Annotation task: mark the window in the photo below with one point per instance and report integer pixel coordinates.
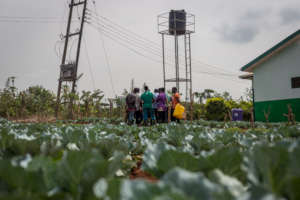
(296, 82)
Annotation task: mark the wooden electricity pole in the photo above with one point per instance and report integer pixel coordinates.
(68, 71)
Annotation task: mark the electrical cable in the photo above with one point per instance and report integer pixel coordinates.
(71, 48)
(154, 50)
(121, 35)
(124, 45)
(27, 17)
(21, 19)
(128, 37)
(124, 31)
(125, 39)
(63, 17)
(156, 44)
(103, 25)
(106, 55)
(29, 21)
(108, 34)
(89, 63)
(157, 61)
(57, 50)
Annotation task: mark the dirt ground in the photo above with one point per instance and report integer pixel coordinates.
(137, 173)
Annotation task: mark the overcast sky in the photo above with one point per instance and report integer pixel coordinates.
(229, 34)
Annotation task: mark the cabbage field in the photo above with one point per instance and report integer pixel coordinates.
(193, 160)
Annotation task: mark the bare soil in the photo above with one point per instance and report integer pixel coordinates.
(35, 119)
(138, 173)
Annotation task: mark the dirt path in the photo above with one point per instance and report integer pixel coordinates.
(138, 173)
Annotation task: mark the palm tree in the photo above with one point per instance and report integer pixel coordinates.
(87, 100)
(208, 93)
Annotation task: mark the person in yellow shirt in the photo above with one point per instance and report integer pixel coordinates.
(175, 101)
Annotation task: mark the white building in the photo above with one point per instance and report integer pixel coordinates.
(276, 80)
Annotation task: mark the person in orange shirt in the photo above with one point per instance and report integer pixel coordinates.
(175, 101)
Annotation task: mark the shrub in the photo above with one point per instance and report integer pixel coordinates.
(215, 109)
(199, 111)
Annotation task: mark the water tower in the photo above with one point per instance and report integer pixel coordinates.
(179, 25)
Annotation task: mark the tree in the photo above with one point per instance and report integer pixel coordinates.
(7, 103)
(87, 100)
(203, 96)
(200, 96)
(209, 93)
(226, 95)
(38, 100)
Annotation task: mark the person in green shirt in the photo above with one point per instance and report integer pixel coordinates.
(147, 99)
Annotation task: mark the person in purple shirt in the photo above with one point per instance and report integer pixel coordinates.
(162, 103)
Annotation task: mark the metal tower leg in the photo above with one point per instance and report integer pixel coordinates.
(190, 68)
(164, 62)
(191, 78)
(186, 69)
(177, 63)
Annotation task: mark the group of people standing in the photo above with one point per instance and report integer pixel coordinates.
(157, 107)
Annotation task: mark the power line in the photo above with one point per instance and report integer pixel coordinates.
(109, 34)
(26, 17)
(119, 31)
(124, 31)
(103, 21)
(71, 48)
(106, 55)
(125, 39)
(89, 63)
(124, 45)
(126, 36)
(154, 60)
(147, 43)
(57, 50)
(64, 16)
(142, 42)
(154, 44)
(29, 21)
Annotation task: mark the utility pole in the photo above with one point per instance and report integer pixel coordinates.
(68, 71)
(132, 85)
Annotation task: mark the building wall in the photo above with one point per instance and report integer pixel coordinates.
(272, 85)
(272, 80)
(277, 110)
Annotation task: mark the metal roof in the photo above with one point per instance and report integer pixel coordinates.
(248, 76)
(269, 53)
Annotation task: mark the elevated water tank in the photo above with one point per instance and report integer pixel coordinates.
(177, 22)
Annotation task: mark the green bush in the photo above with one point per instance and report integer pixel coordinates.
(38, 101)
(247, 108)
(8, 103)
(215, 109)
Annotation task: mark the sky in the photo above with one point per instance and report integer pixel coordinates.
(229, 34)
